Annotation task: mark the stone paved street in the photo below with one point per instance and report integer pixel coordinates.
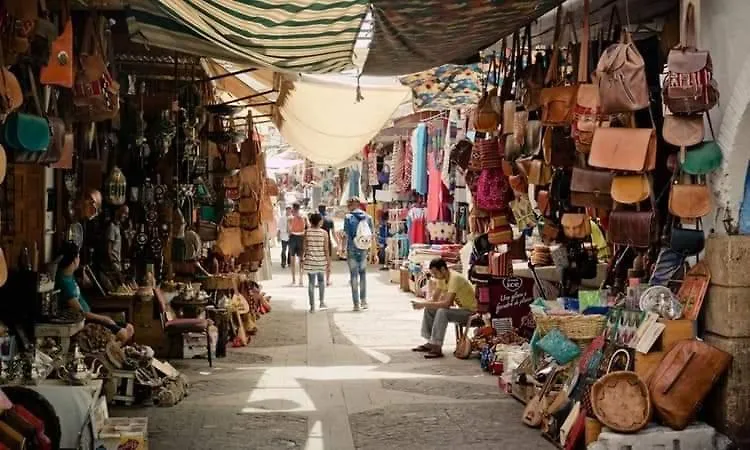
(338, 380)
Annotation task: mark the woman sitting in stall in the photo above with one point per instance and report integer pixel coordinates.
(70, 294)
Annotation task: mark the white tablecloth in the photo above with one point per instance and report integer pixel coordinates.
(73, 405)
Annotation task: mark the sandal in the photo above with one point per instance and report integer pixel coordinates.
(433, 355)
(421, 348)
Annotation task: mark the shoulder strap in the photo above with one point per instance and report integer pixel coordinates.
(691, 39)
(554, 62)
(583, 58)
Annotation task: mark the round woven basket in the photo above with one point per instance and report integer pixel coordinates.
(576, 327)
(621, 402)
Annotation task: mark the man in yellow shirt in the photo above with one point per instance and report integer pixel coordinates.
(452, 302)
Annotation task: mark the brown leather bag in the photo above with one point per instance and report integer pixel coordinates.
(683, 131)
(632, 228)
(519, 184)
(485, 117)
(576, 226)
(559, 147)
(11, 94)
(621, 77)
(96, 94)
(689, 86)
(537, 172)
(689, 201)
(59, 68)
(591, 188)
(558, 102)
(630, 189)
(629, 149)
(587, 110)
(683, 379)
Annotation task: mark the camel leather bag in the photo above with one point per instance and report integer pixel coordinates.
(621, 77)
(627, 149)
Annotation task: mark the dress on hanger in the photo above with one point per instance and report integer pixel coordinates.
(417, 226)
(419, 166)
(435, 192)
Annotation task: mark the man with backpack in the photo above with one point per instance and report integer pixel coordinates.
(358, 227)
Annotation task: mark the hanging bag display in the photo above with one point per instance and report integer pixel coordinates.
(703, 158)
(591, 188)
(558, 102)
(621, 77)
(689, 200)
(59, 68)
(628, 149)
(485, 117)
(576, 226)
(533, 77)
(96, 95)
(689, 86)
(636, 229)
(630, 189)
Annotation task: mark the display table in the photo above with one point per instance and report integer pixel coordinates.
(61, 331)
(74, 406)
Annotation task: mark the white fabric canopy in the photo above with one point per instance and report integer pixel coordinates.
(323, 121)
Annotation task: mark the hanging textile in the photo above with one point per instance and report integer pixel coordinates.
(397, 168)
(408, 163)
(414, 35)
(417, 226)
(445, 169)
(310, 36)
(372, 165)
(354, 182)
(445, 87)
(419, 166)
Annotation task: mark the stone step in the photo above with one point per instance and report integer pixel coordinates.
(697, 436)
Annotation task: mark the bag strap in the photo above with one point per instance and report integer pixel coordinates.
(691, 34)
(677, 375)
(583, 57)
(621, 351)
(554, 64)
(87, 44)
(35, 93)
(612, 30)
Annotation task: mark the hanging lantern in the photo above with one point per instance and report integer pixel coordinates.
(116, 187)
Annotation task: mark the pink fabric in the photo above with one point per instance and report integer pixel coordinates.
(434, 192)
(418, 231)
(493, 190)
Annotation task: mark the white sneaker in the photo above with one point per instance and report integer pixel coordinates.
(323, 307)
(364, 306)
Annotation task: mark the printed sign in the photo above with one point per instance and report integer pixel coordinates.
(510, 298)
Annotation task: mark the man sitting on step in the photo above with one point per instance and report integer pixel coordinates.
(452, 302)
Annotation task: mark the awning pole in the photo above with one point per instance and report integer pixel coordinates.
(247, 97)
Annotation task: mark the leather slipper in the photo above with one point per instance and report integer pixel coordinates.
(421, 348)
(433, 355)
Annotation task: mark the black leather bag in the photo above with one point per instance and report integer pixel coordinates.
(687, 241)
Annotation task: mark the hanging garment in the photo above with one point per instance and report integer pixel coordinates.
(408, 163)
(353, 182)
(445, 172)
(435, 197)
(419, 166)
(372, 166)
(415, 221)
(397, 167)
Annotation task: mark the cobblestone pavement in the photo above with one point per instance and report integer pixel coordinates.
(338, 380)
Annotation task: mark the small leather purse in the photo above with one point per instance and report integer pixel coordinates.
(591, 188)
(687, 241)
(689, 201)
(627, 149)
(59, 68)
(576, 226)
(630, 189)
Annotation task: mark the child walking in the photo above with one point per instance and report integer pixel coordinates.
(316, 259)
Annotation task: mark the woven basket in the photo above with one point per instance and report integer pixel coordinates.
(621, 402)
(577, 327)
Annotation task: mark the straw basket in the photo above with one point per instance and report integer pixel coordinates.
(621, 402)
(577, 327)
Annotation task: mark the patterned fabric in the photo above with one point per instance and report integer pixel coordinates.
(397, 167)
(445, 87)
(311, 36)
(493, 190)
(414, 35)
(314, 259)
(408, 163)
(372, 166)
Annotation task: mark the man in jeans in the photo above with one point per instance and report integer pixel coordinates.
(283, 234)
(356, 258)
(453, 301)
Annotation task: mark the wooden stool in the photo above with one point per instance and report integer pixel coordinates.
(60, 331)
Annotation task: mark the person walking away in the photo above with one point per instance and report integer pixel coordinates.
(296, 226)
(358, 227)
(327, 226)
(316, 260)
(452, 302)
(283, 234)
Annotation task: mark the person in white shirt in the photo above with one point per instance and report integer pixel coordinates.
(282, 222)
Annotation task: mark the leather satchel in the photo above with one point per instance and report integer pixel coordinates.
(559, 147)
(576, 226)
(96, 94)
(485, 117)
(683, 131)
(629, 149)
(591, 188)
(703, 159)
(558, 104)
(683, 379)
(59, 68)
(632, 228)
(621, 77)
(687, 241)
(689, 201)
(537, 171)
(689, 86)
(630, 189)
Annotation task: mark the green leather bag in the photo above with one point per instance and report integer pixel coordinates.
(703, 158)
(26, 132)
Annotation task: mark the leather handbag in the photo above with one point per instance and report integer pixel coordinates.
(485, 117)
(558, 104)
(490, 153)
(687, 241)
(229, 242)
(703, 159)
(59, 68)
(628, 149)
(543, 203)
(636, 229)
(630, 189)
(532, 79)
(559, 147)
(576, 226)
(509, 116)
(463, 346)
(11, 94)
(537, 171)
(550, 231)
(96, 95)
(586, 113)
(683, 379)
(461, 153)
(535, 409)
(523, 212)
(683, 131)
(520, 125)
(253, 237)
(26, 133)
(519, 184)
(493, 190)
(533, 137)
(689, 201)
(621, 77)
(591, 188)
(689, 86)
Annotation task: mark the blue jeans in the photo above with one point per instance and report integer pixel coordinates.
(311, 277)
(358, 277)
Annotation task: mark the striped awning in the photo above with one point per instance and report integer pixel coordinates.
(415, 35)
(310, 36)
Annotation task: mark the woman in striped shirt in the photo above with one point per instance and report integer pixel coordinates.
(316, 259)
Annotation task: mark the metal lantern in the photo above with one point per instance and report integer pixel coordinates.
(116, 187)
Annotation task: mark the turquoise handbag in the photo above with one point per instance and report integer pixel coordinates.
(26, 132)
(703, 158)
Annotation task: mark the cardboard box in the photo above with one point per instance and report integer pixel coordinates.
(124, 433)
(675, 331)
